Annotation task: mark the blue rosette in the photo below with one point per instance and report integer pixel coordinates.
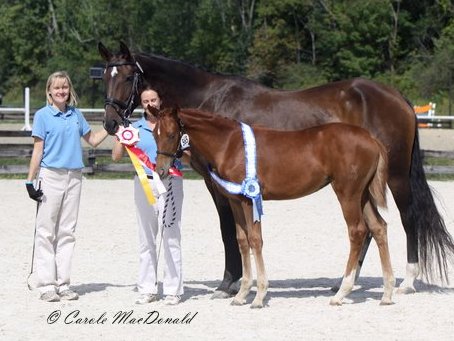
(250, 188)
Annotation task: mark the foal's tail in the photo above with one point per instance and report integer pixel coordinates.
(377, 187)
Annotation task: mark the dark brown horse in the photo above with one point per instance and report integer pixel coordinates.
(375, 107)
(286, 165)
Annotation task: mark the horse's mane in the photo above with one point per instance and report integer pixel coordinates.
(190, 68)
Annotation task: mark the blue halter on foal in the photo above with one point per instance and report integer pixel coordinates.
(250, 186)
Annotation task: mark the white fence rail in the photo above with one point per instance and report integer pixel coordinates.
(25, 114)
(434, 121)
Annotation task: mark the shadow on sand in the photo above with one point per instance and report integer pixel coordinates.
(366, 288)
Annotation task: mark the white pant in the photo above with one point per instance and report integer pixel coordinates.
(164, 216)
(55, 226)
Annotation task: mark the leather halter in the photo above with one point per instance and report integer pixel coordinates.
(179, 152)
(125, 109)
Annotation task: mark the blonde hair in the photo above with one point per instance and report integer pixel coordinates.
(72, 98)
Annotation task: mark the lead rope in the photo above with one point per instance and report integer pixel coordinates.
(170, 199)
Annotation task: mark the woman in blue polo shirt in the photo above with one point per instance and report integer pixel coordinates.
(57, 160)
(165, 215)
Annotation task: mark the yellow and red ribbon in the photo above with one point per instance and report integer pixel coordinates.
(141, 174)
(129, 137)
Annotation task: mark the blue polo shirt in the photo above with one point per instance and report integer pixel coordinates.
(61, 133)
(148, 144)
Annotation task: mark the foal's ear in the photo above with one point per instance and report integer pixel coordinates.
(124, 49)
(175, 111)
(154, 111)
(104, 52)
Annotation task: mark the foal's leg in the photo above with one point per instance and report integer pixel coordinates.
(243, 243)
(377, 227)
(357, 232)
(362, 256)
(256, 244)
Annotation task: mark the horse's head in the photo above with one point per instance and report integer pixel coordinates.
(167, 133)
(122, 79)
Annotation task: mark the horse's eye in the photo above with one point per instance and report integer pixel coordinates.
(171, 136)
(129, 78)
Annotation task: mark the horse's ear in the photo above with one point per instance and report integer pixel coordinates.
(153, 110)
(104, 52)
(124, 49)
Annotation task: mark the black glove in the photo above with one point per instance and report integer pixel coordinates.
(33, 193)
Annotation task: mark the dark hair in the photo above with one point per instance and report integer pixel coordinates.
(149, 87)
(159, 90)
(144, 88)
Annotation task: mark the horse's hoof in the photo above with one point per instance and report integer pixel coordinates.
(386, 302)
(335, 302)
(218, 294)
(234, 288)
(405, 290)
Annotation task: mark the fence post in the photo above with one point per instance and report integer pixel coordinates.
(27, 126)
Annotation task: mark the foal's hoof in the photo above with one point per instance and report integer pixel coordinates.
(256, 305)
(386, 302)
(405, 290)
(219, 294)
(237, 302)
(335, 301)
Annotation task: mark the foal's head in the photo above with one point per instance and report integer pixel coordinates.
(122, 79)
(167, 133)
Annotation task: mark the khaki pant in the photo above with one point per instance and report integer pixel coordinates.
(55, 226)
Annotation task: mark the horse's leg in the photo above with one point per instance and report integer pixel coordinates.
(362, 254)
(233, 262)
(357, 232)
(377, 226)
(400, 188)
(427, 235)
(242, 232)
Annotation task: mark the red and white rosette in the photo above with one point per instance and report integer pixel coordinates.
(128, 136)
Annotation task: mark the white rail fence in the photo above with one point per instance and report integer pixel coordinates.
(21, 150)
(24, 113)
(426, 118)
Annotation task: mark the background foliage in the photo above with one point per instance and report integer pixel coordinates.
(282, 43)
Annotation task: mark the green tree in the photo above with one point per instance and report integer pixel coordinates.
(25, 43)
(284, 43)
(222, 35)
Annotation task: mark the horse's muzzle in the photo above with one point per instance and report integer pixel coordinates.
(111, 126)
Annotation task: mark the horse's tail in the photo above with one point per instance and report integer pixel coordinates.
(435, 243)
(377, 187)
